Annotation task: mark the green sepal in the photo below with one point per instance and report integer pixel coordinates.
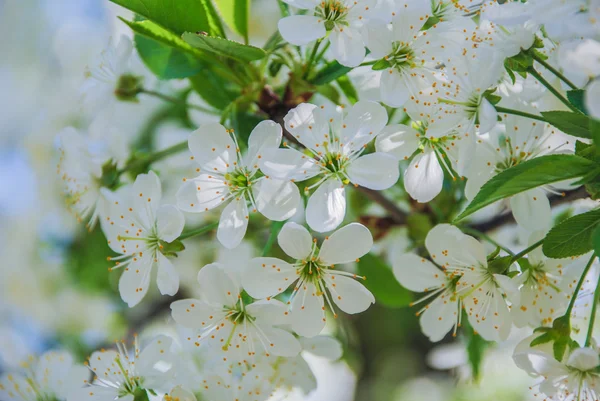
(171, 248)
(110, 175)
(382, 64)
(500, 265)
(493, 255)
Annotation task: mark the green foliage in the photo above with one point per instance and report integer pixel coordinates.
(224, 47)
(559, 334)
(348, 88)
(570, 123)
(419, 225)
(329, 73)
(236, 14)
(572, 237)
(213, 89)
(178, 16)
(382, 283)
(576, 97)
(330, 92)
(87, 262)
(528, 175)
(476, 346)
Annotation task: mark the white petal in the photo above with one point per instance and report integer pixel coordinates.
(509, 288)
(103, 363)
(269, 312)
(213, 148)
(309, 124)
(167, 277)
(347, 46)
(439, 317)
(195, 314)
(443, 244)
(416, 273)
(364, 121)
(282, 343)
(323, 346)
(308, 316)
(169, 222)
(201, 194)
(394, 91)
(592, 98)
(346, 244)
(348, 294)
(376, 171)
(216, 286)
(488, 313)
(488, 116)
(326, 207)
(95, 393)
(157, 351)
(233, 223)
(531, 209)
(423, 179)
(410, 19)
(267, 277)
(399, 140)
(135, 280)
(147, 193)
(182, 394)
(295, 241)
(302, 4)
(584, 359)
(266, 135)
(301, 29)
(378, 38)
(276, 199)
(288, 164)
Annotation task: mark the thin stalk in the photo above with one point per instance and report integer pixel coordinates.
(553, 70)
(198, 231)
(588, 338)
(579, 284)
(177, 101)
(526, 250)
(552, 89)
(275, 229)
(311, 58)
(154, 157)
(519, 113)
(322, 52)
(486, 237)
(366, 63)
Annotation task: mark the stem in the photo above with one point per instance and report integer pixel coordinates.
(526, 251)
(519, 113)
(579, 284)
(311, 59)
(322, 52)
(552, 89)
(177, 101)
(198, 231)
(552, 70)
(588, 338)
(486, 237)
(366, 63)
(275, 229)
(154, 157)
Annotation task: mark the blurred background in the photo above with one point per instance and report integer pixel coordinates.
(55, 290)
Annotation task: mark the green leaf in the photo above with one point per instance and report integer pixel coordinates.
(595, 132)
(596, 240)
(330, 92)
(528, 175)
(330, 72)
(164, 61)
(574, 124)
(348, 88)
(476, 347)
(572, 237)
(178, 16)
(382, 283)
(576, 97)
(236, 14)
(224, 47)
(213, 89)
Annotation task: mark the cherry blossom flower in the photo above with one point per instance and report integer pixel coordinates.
(312, 275)
(226, 175)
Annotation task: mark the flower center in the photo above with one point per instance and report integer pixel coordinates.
(240, 181)
(401, 57)
(333, 12)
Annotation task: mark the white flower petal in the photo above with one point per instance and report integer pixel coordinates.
(217, 287)
(201, 194)
(347, 46)
(276, 199)
(346, 244)
(348, 294)
(394, 91)
(592, 98)
(301, 29)
(416, 273)
(326, 207)
(267, 277)
(167, 277)
(379, 38)
(233, 223)
(488, 116)
(439, 317)
(309, 124)
(157, 351)
(135, 280)
(364, 121)
(442, 243)
(488, 313)
(399, 140)
(376, 171)
(195, 314)
(282, 343)
(169, 222)
(531, 209)
(269, 312)
(103, 363)
(96, 393)
(147, 194)
(323, 346)
(182, 394)
(288, 164)
(423, 179)
(295, 241)
(213, 148)
(584, 359)
(308, 316)
(266, 135)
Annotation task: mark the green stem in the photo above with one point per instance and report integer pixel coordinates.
(588, 338)
(477, 233)
(154, 157)
(177, 101)
(311, 59)
(553, 70)
(579, 285)
(322, 52)
(552, 89)
(276, 227)
(519, 113)
(526, 250)
(198, 231)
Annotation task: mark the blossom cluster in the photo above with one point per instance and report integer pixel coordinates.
(473, 81)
